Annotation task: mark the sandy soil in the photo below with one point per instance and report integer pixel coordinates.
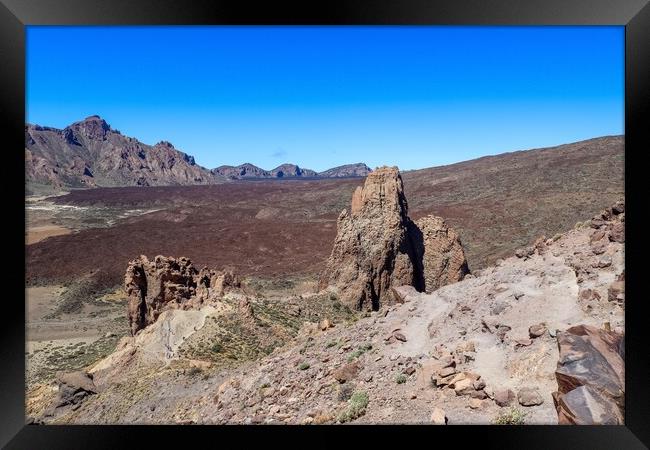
(37, 234)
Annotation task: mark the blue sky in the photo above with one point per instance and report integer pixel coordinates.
(324, 96)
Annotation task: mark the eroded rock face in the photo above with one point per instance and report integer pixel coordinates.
(590, 376)
(443, 258)
(170, 283)
(374, 247)
(378, 246)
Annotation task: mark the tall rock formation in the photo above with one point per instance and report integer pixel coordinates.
(378, 246)
(443, 258)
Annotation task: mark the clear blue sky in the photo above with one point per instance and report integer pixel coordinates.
(324, 96)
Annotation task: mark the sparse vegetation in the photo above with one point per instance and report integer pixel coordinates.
(331, 344)
(192, 371)
(303, 366)
(360, 351)
(401, 378)
(513, 416)
(356, 407)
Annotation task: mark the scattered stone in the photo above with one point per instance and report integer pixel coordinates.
(478, 384)
(616, 291)
(537, 330)
(529, 397)
(399, 336)
(596, 236)
(347, 372)
(463, 387)
(475, 403)
(599, 248)
(604, 261)
(524, 252)
(504, 397)
(438, 416)
(523, 342)
(446, 371)
(325, 324)
(617, 233)
(401, 293)
(588, 295)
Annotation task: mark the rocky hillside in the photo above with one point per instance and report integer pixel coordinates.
(90, 153)
(501, 202)
(346, 171)
(500, 346)
(250, 171)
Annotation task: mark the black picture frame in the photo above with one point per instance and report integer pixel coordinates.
(633, 14)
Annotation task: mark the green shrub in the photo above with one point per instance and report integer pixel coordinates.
(360, 351)
(401, 378)
(511, 417)
(303, 366)
(356, 407)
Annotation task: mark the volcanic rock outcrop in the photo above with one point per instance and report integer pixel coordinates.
(590, 376)
(170, 283)
(443, 258)
(378, 246)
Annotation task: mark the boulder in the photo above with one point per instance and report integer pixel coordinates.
(347, 372)
(74, 387)
(504, 397)
(529, 397)
(617, 233)
(590, 376)
(438, 416)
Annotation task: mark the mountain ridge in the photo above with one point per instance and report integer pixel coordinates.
(288, 170)
(90, 153)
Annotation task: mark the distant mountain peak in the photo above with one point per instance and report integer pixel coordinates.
(290, 170)
(164, 144)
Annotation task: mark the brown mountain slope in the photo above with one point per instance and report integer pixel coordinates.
(272, 228)
(90, 153)
(505, 201)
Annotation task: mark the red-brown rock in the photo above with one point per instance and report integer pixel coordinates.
(590, 376)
